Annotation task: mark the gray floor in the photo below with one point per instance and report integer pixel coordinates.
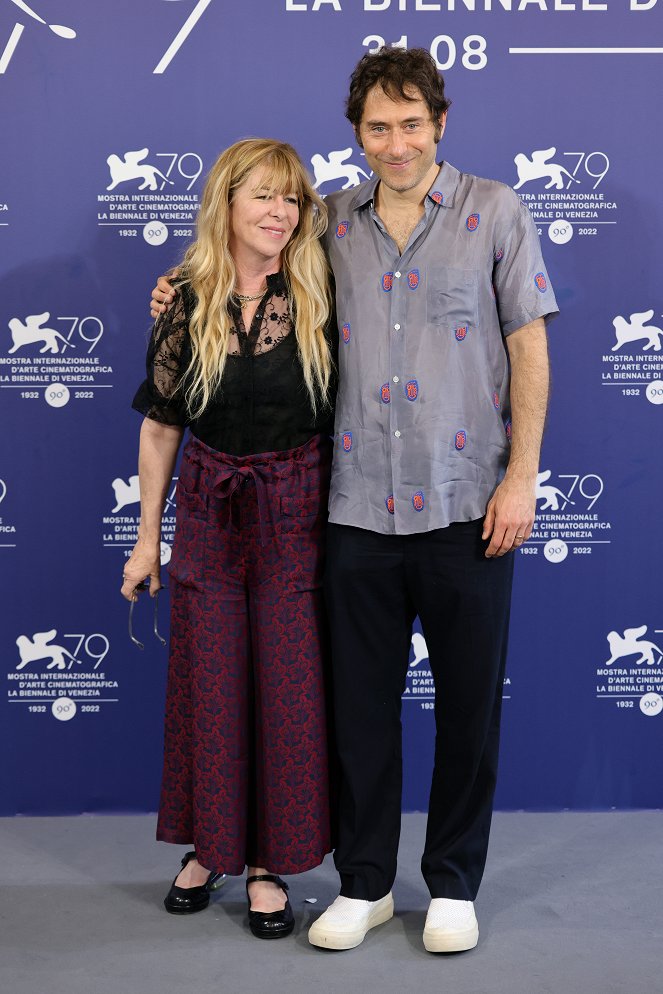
(570, 904)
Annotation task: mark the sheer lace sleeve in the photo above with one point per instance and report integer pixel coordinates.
(168, 353)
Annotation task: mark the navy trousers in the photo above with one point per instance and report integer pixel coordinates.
(375, 585)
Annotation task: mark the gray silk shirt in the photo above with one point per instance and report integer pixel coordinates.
(423, 415)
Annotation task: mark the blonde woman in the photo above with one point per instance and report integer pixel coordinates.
(243, 361)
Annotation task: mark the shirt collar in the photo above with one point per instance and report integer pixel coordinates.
(365, 194)
(442, 191)
(443, 188)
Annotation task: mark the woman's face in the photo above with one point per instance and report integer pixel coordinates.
(261, 223)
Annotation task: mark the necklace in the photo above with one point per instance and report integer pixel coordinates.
(246, 298)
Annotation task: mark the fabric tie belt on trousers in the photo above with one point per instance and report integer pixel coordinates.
(227, 481)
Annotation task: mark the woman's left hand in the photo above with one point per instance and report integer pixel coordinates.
(143, 563)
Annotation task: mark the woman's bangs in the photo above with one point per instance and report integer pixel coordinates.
(280, 176)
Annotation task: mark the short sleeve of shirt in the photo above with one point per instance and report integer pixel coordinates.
(522, 287)
(159, 397)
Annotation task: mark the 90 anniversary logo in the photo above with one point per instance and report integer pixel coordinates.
(568, 200)
(55, 358)
(61, 674)
(635, 362)
(633, 673)
(156, 196)
(566, 519)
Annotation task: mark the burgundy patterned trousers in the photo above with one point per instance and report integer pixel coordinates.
(245, 756)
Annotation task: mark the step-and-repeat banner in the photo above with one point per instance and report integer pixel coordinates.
(112, 113)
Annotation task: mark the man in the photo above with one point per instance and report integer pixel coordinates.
(441, 295)
(435, 271)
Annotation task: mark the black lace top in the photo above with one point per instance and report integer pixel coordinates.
(262, 404)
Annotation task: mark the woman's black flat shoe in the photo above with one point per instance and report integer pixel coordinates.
(188, 900)
(271, 924)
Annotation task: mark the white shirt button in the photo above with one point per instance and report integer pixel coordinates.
(397, 433)
(396, 379)
(397, 327)
(397, 275)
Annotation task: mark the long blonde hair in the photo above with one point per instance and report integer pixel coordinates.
(209, 269)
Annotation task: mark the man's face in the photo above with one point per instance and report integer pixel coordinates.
(399, 138)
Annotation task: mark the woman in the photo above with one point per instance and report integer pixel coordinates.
(243, 361)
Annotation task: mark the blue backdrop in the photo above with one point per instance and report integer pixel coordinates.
(112, 114)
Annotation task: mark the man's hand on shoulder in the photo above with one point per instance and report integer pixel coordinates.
(163, 295)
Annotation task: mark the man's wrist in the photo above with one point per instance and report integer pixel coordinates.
(522, 475)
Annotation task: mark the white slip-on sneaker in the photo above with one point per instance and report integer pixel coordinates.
(345, 922)
(451, 926)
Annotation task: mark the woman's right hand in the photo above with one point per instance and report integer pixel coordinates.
(143, 563)
(162, 295)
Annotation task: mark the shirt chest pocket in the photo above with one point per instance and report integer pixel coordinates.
(452, 300)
